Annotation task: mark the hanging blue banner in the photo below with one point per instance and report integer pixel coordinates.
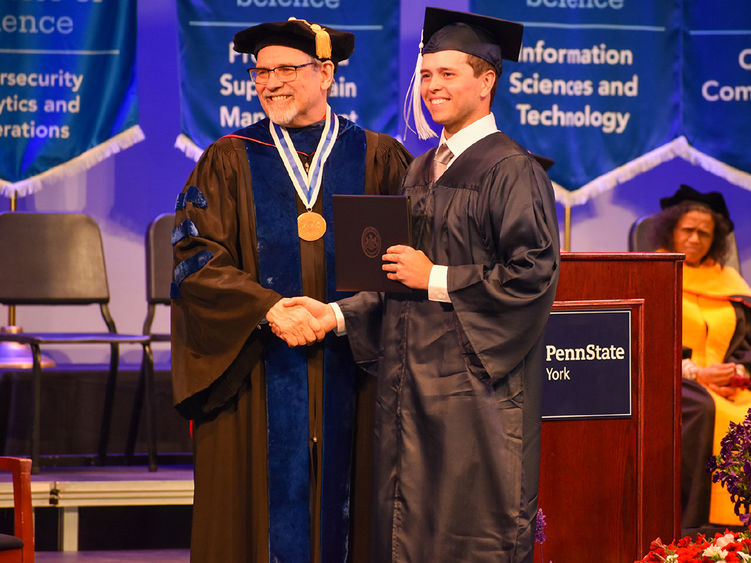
(217, 96)
(717, 80)
(68, 94)
(597, 83)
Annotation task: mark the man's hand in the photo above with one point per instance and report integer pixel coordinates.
(322, 312)
(407, 265)
(294, 324)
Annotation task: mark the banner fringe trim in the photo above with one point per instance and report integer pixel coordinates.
(630, 170)
(562, 195)
(186, 144)
(678, 147)
(80, 163)
(713, 166)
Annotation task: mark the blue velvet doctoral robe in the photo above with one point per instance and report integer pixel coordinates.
(268, 419)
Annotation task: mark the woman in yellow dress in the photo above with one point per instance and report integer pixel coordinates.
(716, 341)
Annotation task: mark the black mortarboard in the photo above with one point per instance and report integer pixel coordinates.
(713, 200)
(321, 42)
(491, 39)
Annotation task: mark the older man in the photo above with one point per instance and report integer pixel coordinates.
(272, 424)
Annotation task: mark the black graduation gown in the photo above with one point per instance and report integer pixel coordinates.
(457, 411)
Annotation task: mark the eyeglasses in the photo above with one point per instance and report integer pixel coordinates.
(284, 73)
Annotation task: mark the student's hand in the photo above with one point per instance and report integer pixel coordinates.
(294, 324)
(322, 312)
(407, 265)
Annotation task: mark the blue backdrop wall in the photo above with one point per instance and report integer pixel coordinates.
(123, 193)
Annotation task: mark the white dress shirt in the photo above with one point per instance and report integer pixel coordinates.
(457, 143)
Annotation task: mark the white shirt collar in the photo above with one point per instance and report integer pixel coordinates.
(465, 138)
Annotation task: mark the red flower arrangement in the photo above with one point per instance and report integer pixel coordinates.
(731, 468)
(730, 547)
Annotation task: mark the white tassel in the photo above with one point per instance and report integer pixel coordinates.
(413, 103)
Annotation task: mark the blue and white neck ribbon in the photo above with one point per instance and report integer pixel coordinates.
(307, 184)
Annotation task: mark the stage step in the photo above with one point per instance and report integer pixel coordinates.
(68, 489)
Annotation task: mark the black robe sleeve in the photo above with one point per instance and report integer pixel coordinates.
(503, 305)
(739, 350)
(219, 302)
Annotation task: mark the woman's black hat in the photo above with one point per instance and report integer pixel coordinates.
(713, 200)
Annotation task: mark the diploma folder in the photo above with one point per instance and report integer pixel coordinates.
(364, 227)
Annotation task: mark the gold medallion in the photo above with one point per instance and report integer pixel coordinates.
(311, 226)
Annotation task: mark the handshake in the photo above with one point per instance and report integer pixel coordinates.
(301, 320)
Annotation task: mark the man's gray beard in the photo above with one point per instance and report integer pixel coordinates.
(282, 117)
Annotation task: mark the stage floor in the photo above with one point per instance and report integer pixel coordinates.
(142, 556)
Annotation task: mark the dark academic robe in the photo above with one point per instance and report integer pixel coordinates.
(255, 474)
(458, 403)
(698, 424)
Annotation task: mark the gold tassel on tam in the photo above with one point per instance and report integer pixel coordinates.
(323, 42)
(323, 39)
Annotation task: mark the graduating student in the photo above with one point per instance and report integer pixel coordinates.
(273, 425)
(459, 359)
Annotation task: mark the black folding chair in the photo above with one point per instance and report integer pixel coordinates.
(158, 281)
(58, 259)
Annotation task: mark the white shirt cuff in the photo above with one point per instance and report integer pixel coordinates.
(438, 284)
(341, 325)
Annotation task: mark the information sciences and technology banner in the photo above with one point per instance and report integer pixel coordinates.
(67, 88)
(717, 81)
(597, 84)
(217, 95)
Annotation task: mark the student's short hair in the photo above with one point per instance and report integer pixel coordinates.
(480, 66)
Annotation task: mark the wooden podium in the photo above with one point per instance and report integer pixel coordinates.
(608, 487)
